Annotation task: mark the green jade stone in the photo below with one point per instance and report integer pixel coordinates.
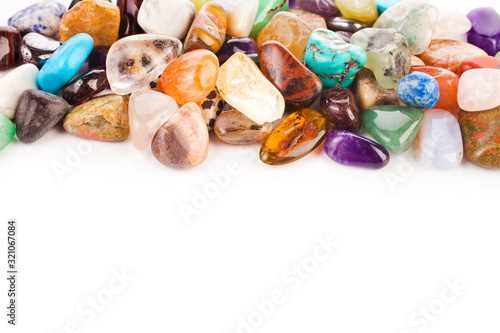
(7, 131)
(267, 9)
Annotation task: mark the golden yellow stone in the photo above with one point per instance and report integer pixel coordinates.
(208, 30)
(362, 10)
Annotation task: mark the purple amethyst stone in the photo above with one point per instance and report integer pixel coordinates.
(490, 44)
(325, 8)
(97, 58)
(485, 21)
(234, 45)
(292, 4)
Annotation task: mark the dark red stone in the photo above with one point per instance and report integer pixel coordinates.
(340, 109)
(8, 50)
(298, 84)
(129, 10)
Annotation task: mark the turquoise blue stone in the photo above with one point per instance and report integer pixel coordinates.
(42, 17)
(65, 63)
(333, 60)
(383, 5)
(419, 90)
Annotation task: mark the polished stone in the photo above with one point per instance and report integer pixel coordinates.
(325, 8)
(129, 10)
(419, 90)
(13, 84)
(37, 48)
(42, 17)
(478, 89)
(449, 54)
(267, 9)
(83, 88)
(451, 22)
(369, 93)
(485, 21)
(208, 30)
(314, 21)
(478, 62)
(362, 10)
(345, 24)
(10, 38)
(211, 107)
(7, 131)
(240, 16)
(231, 46)
(171, 18)
(340, 109)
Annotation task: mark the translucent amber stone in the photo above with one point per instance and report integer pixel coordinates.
(208, 30)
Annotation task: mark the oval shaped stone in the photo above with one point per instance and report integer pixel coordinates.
(369, 93)
(129, 10)
(478, 62)
(440, 139)
(267, 9)
(478, 89)
(43, 17)
(340, 109)
(7, 131)
(60, 68)
(242, 85)
(299, 86)
(13, 84)
(36, 48)
(103, 118)
(171, 18)
(233, 45)
(10, 38)
(295, 137)
(325, 8)
(240, 16)
(182, 142)
(191, 76)
(362, 10)
(449, 54)
(419, 90)
(84, 87)
(208, 30)
(394, 127)
(354, 150)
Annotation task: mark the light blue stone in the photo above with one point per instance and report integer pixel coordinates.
(65, 63)
(383, 5)
(419, 90)
(42, 17)
(333, 60)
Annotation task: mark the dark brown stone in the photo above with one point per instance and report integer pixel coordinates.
(340, 109)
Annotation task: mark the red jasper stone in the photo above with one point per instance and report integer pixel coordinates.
(10, 38)
(478, 62)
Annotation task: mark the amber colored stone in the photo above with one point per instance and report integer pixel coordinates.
(208, 30)
(190, 77)
(315, 21)
(98, 18)
(289, 30)
(449, 54)
(295, 137)
(298, 84)
(10, 39)
(448, 87)
(478, 62)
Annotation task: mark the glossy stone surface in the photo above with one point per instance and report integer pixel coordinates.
(103, 118)
(148, 111)
(485, 21)
(314, 21)
(13, 84)
(135, 61)
(299, 86)
(289, 30)
(325, 8)
(388, 54)
(354, 150)
(242, 85)
(449, 54)
(394, 127)
(414, 19)
(416, 61)
(362, 10)
(36, 48)
(37, 113)
(240, 16)
(182, 142)
(267, 9)
(448, 87)
(74, 2)
(340, 109)
(478, 62)
(190, 77)
(481, 137)
(369, 93)
(208, 30)
(419, 90)
(333, 60)
(345, 24)
(235, 128)
(211, 107)
(478, 89)
(440, 139)
(154, 85)
(97, 58)
(129, 10)
(42, 17)
(346, 36)
(172, 18)
(98, 18)
(490, 45)
(7, 131)
(84, 87)
(10, 38)
(233, 45)
(451, 22)
(295, 137)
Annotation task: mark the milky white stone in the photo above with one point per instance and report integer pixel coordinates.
(171, 17)
(148, 110)
(13, 85)
(451, 22)
(244, 87)
(240, 16)
(478, 89)
(441, 140)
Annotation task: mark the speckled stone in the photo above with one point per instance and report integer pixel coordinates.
(419, 90)
(211, 107)
(42, 17)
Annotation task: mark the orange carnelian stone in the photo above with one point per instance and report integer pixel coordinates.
(191, 77)
(478, 62)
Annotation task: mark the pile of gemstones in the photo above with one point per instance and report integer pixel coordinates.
(289, 75)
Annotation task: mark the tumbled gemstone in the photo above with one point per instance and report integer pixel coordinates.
(449, 54)
(129, 10)
(240, 16)
(478, 89)
(478, 62)
(325, 8)
(7, 131)
(362, 10)
(84, 87)
(97, 58)
(370, 93)
(42, 17)
(451, 22)
(314, 21)
(490, 45)
(485, 21)
(171, 18)
(13, 84)
(267, 9)
(10, 38)
(233, 45)
(340, 109)
(208, 30)
(36, 48)
(345, 24)
(211, 107)
(416, 61)
(419, 90)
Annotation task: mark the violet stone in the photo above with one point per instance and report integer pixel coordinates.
(292, 4)
(129, 9)
(352, 149)
(36, 48)
(490, 44)
(234, 45)
(325, 8)
(485, 21)
(97, 58)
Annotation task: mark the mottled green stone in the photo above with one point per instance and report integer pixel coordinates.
(394, 127)
(267, 9)
(481, 135)
(7, 131)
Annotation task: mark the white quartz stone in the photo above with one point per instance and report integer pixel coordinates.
(451, 22)
(441, 140)
(478, 89)
(13, 84)
(148, 111)
(240, 16)
(171, 17)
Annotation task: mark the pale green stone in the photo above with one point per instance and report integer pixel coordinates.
(7, 131)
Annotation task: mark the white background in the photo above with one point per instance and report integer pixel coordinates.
(403, 232)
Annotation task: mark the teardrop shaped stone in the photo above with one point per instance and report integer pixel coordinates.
(7, 131)
(135, 61)
(182, 142)
(394, 127)
(37, 113)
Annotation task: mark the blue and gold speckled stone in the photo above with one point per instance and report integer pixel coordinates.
(42, 17)
(65, 63)
(332, 59)
(419, 90)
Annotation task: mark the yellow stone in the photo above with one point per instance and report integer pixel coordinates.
(199, 3)
(362, 10)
